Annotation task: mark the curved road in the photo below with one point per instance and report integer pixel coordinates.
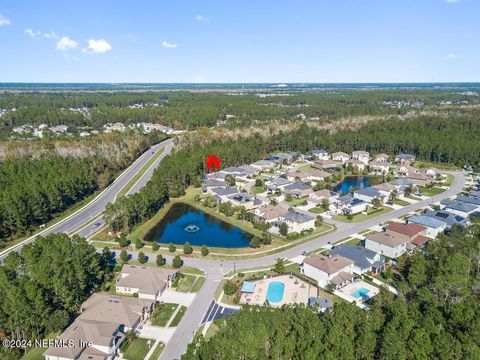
(216, 269)
(93, 210)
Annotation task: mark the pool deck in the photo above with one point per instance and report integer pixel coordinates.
(347, 291)
(296, 291)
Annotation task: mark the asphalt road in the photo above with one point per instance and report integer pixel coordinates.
(93, 209)
(216, 269)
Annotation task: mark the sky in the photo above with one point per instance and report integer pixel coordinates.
(240, 41)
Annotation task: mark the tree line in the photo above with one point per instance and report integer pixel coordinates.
(435, 316)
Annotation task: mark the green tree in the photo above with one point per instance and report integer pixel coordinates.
(142, 259)
(177, 262)
(229, 288)
(204, 250)
(139, 244)
(124, 256)
(279, 266)
(160, 261)
(171, 247)
(155, 246)
(187, 248)
(283, 230)
(255, 242)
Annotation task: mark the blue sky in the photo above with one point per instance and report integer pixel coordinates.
(240, 41)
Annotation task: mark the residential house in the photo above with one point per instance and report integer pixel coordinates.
(369, 195)
(420, 179)
(340, 156)
(263, 165)
(103, 321)
(362, 156)
(388, 244)
(321, 154)
(308, 175)
(298, 189)
(416, 234)
(275, 183)
(434, 226)
(449, 218)
(475, 200)
(350, 205)
(147, 282)
(59, 129)
(243, 199)
(379, 167)
(324, 164)
(317, 197)
(336, 269)
(386, 189)
(209, 184)
(223, 193)
(382, 158)
(364, 260)
(270, 213)
(459, 207)
(354, 163)
(402, 184)
(430, 172)
(402, 158)
(297, 221)
(282, 158)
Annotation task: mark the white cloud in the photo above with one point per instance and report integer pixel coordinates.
(98, 46)
(31, 33)
(452, 56)
(452, 1)
(202, 19)
(169, 45)
(50, 35)
(4, 21)
(35, 34)
(65, 43)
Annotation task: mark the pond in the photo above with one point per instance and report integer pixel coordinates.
(350, 183)
(184, 223)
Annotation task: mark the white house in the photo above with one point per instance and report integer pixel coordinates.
(270, 213)
(364, 260)
(459, 207)
(263, 165)
(297, 221)
(360, 165)
(147, 281)
(362, 156)
(434, 226)
(340, 156)
(336, 269)
(379, 167)
(386, 244)
(369, 195)
(382, 157)
(317, 197)
(321, 154)
(350, 205)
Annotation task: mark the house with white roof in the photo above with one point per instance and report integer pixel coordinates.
(270, 213)
(321, 154)
(402, 158)
(360, 165)
(317, 197)
(336, 269)
(350, 205)
(369, 195)
(340, 156)
(382, 158)
(379, 167)
(298, 189)
(362, 156)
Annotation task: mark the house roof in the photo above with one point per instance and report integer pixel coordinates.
(341, 278)
(358, 254)
(233, 170)
(122, 310)
(298, 186)
(321, 151)
(220, 191)
(382, 156)
(355, 162)
(325, 193)
(402, 182)
(279, 181)
(148, 279)
(410, 230)
(326, 264)
(240, 197)
(381, 164)
(405, 156)
(447, 217)
(361, 152)
(385, 187)
(459, 205)
(320, 301)
(213, 182)
(427, 221)
(350, 200)
(390, 240)
(340, 153)
(420, 240)
(298, 217)
(325, 163)
(269, 212)
(248, 169)
(469, 199)
(248, 286)
(370, 192)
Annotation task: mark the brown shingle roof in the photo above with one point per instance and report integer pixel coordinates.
(329, 265)
(148, 279)
(410, 229)
(386, 239)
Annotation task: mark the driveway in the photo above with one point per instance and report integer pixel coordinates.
(163, 334)
(172, 296)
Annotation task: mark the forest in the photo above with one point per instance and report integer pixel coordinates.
(434, 317)
(449, 140)
(42, 288)
(40, 180)
(190, 110)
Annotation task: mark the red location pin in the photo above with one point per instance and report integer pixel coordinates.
(213, 162)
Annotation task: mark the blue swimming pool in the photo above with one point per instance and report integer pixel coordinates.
(360, 293)
(275, 291)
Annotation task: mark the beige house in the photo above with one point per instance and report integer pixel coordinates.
(382, 157)
(336, 269)
(379, 167)
(270, 213)
(147, 281)
(389, 244)
(360, 165)
(99, 330)
(340, 156)
(362, 156)
(317, 197)
(324, 164)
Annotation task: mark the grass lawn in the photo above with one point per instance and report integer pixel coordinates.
(440, 166)
(354, 241)
(414, 197)
(401, 202)
(179, 316)
(362, 217)
(448, 180)
(192, 270)
(164, 314)
(317, 210)
(259, 189)
(186, 283)
(137, 350)
(36, 353)
(431, 191)
(156, 353)
(198, 284)
(296, 202)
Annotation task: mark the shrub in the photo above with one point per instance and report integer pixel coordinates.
(139, 244)
(142, 259)
(160, 260)
(229, 288)
(255, 242)
(155, 246)
(124, 256)
(177, 262)
(187, 248)
(204, 250)
(283, 229)
(171, 247)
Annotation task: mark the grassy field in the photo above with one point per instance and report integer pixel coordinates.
(362, 217)
(186, 283)
(158, 350)
(317, 210)
(440, 166)
(137, 350)
(176, 320)
(259, 189)
(198, 284)
(401, 202)
(296, 202)
(448, 180)
(425, 191)
(164, 314)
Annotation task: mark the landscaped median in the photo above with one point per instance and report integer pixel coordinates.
(356, 218)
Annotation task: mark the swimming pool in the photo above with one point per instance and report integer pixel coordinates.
(275, 291)
(360, 293)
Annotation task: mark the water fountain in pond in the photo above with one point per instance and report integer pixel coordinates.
(192, 228)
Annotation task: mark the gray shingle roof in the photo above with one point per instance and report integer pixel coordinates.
(447, 217)
(359, 255)
(426, 221)
(224, 191)
(298, 186)
(371, 192)
(469, 199)
(458, 205)
(297, 217)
